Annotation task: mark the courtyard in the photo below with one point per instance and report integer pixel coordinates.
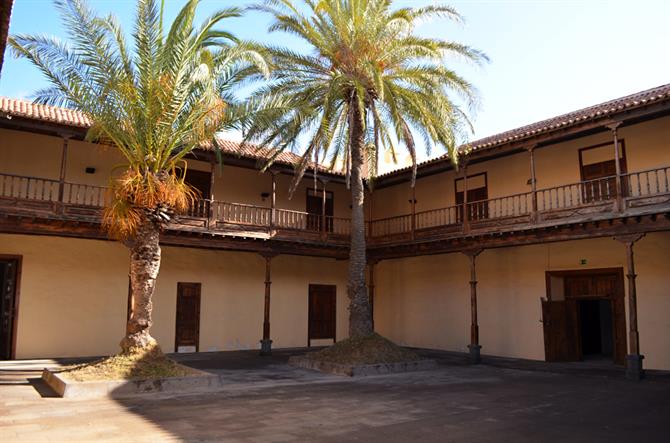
(265, 400)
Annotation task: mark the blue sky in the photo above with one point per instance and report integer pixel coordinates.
(547, 57)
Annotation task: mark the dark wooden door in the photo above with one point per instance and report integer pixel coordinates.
(314, 209)
(559, 331)
(8, 284)
(200, 180)
(601, 177)
(187, 331)
(477, 206)
(322, 311)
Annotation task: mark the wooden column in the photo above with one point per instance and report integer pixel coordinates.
(533, 183)
(370, 209)
(617, 164)
(413, 221)
(466, 218)
(266, 342)
(63, 169)
(474, 346)
(323, 210)
(634, 369)
(211, 220)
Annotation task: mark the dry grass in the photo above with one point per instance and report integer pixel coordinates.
(139, 364)
(372, 349)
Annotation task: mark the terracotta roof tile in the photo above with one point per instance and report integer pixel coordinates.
(63, 116)
(52, 114)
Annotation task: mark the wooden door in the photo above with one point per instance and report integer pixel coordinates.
(314, 209)
(9, 269)
(322, 312)
(559, 331)
(478, 208)
(601, 175)
(187, 331)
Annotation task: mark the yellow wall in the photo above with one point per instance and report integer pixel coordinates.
(647, 146)
(74, 293)
(35, 155)
(425, 301)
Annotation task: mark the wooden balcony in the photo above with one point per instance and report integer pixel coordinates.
(642, 193)
(33, 197)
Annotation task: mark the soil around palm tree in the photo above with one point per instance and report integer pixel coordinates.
(366, 350)
(135, 364)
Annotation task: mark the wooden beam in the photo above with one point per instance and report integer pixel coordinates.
(528, 235)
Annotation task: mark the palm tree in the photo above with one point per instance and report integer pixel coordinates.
(155, 102)
(367, 83)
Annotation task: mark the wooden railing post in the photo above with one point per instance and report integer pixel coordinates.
(474, 346)
(617, 163)
(634, 369)
(533, 183)
(63, 169)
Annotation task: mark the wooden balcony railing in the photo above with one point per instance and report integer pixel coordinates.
(647, 183)
(576, 194)
(21, 187)
(639, 190)
(241, 214)
(84, 195)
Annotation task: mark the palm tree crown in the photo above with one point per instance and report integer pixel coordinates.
(365, 60)
(155, 101)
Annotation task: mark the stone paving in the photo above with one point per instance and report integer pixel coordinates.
(268, 401)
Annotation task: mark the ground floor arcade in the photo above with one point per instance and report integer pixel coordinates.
(564, 300)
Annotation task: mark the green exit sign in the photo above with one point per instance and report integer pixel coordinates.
(582, 261)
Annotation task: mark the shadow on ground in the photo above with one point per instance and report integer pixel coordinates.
(266, 400)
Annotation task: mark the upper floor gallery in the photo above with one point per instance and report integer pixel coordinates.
(604, 163)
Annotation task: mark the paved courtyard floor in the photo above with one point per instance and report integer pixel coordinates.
(268, 401)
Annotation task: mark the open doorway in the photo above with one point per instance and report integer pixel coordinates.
(596, 329)
(584, 316)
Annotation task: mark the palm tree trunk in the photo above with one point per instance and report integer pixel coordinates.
(145, 261)
(360, 321)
